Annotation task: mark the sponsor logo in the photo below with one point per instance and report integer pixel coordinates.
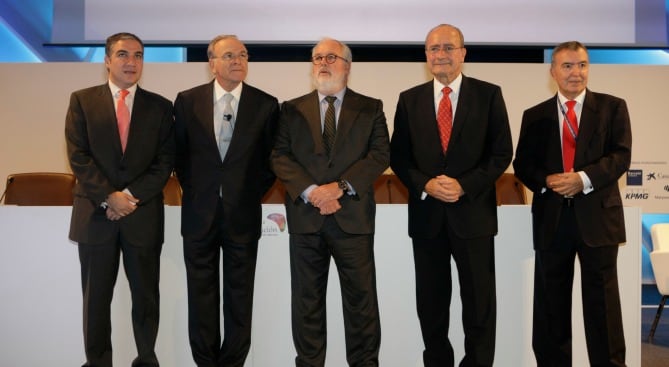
(635, 177)
(274, 224)
(666, 188)
(636, 194)
(651, 176)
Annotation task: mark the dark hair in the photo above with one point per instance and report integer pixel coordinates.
(569, 45)
(111, 40)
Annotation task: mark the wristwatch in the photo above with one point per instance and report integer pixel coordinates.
(343, 186)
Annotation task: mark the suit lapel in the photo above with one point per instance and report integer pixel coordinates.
(465, 100)
(586, 126)
(350, 109)
(311, 110)
(108, 123)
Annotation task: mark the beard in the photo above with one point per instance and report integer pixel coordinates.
(328, 85)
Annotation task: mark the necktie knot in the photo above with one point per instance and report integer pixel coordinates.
(331, 99)
(123, 93)
(447, 91)
(570, 105)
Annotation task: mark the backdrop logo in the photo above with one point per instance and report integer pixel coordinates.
(651, 176)
(635, 177)
(636, 194)
(274, 224)
(666, 188)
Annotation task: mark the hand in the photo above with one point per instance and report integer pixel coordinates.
(444, 188)
(112, 215)
(325, 193)
(565, 184)
(121, 204)
(330, 207)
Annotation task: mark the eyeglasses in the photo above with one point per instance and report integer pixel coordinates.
(568, 66)
(229, 56)
(329, 58)
(436, 49)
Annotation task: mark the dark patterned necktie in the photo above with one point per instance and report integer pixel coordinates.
(329, 125)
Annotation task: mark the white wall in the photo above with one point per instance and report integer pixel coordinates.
(34, 99)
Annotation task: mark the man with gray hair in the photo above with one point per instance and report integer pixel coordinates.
(224, 133)
(331, 146)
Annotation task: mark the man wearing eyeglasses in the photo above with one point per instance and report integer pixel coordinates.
(451, 141)
(225, 132)
(331, 146)
(572, 150)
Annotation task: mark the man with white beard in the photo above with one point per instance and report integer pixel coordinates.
(331, 146)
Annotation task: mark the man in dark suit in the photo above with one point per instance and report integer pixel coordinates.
(331, 146)
(118, 204)
(572, 150)
(450, 143)
(225, 132)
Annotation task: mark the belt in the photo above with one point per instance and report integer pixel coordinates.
(568, 202)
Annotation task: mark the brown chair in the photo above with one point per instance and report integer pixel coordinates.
(39, 189)
(172, 192)
(388, 189)
(510, 191)
(276, 194)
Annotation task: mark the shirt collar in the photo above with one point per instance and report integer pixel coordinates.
(115, 89)
(579, 99)
(339, 95)
(219, 92)
(455, 86)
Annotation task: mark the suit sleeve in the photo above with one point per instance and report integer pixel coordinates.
(497, 149)
(91, 180)
(151, 181)
(529, 163)
(401, 152)
(365, 171)
(617, 148)
(286, 167)
(269, 138)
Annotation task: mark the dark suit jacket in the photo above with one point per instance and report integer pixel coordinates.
(603, 152)
(244, 175)
(100, 166)
(479, 151)
(360, 154)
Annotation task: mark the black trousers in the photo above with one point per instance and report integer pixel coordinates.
(309, 267)
(99, 269)
(475, 261)
(203, 262)
(553, 281)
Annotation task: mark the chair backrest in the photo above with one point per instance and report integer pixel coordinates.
(276, 194)
(510, 191)
(172, 192)
(659, 257)
(659, 232)
(40, 189)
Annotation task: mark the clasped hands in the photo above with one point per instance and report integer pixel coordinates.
(326, 198)
(565, 184)
(120, 204)
(444, 188)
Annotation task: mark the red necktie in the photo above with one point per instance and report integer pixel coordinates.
(123, 118)
(569, 134)
(445, 118)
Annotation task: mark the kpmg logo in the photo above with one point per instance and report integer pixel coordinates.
(635, 177)
(274, 224)
(636, 194)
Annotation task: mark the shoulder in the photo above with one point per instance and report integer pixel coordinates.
(197, 90)
(361, 98)
(153, 97)
(418, 89)
(257, 93)
(479, 85)
(92, 91)
(602, 98)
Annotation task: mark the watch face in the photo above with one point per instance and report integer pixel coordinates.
(342, 185)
